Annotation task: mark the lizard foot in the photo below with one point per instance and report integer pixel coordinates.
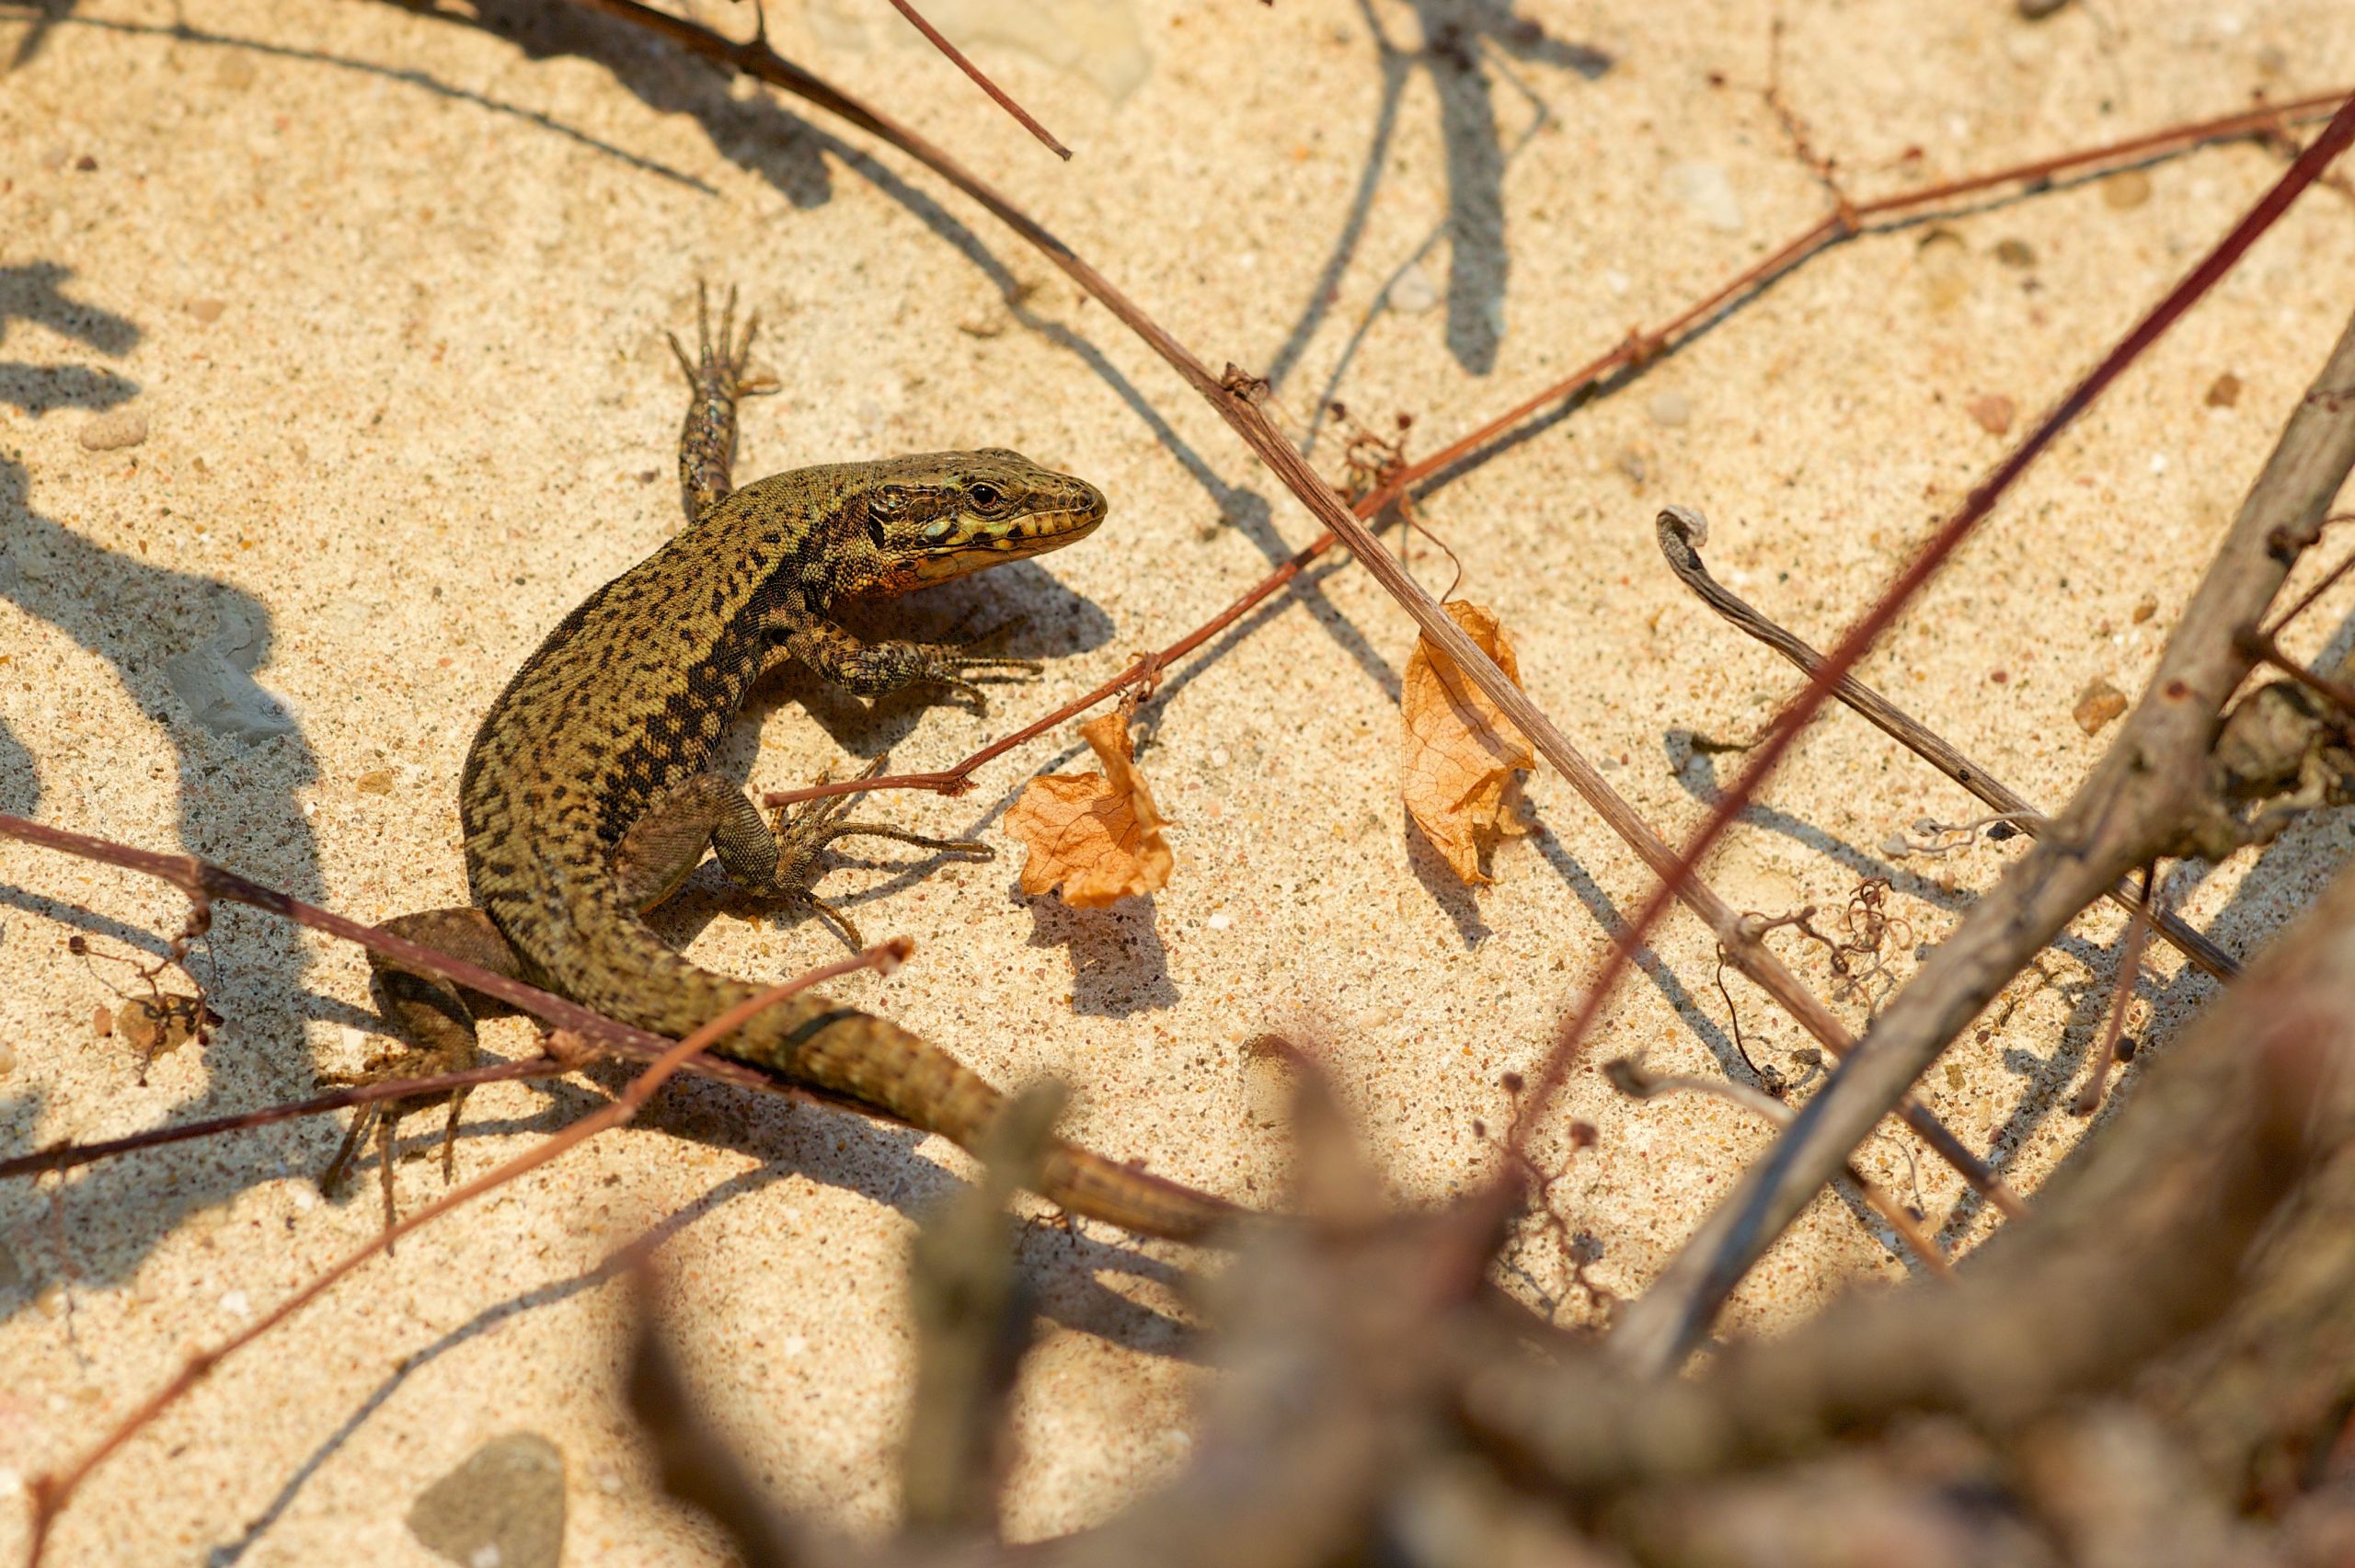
(802, 837)
(385, 1118)
(720, 371)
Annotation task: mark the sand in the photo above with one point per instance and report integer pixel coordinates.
(334, 373)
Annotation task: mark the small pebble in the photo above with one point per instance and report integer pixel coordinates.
(504, 1506)
(2145, 608)
(1995, 413)
(1945, 277)
(1413, 292)
(101, 1023)
(2097, 704)
(207, 311)
(2225, 391)
(1631, 464)
(1670, 408)
(86, 163)
(2000, 677)
(2015, 253)
(2130, 189)
(236, 1304)
(1705, 191)
(1221, 920)
(1618, 282)
(378, 783)
(115, 430)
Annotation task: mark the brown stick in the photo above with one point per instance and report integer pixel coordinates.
(1683, 531)
(51, 1492)
(68, 1154)
(2113, 1028)
(997, 95)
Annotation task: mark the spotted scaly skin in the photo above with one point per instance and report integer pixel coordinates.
(587, 795)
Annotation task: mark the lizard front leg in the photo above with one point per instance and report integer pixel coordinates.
(775, 861)
(876, 668)
(718, 380)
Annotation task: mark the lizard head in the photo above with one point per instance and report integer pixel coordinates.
(943, 514)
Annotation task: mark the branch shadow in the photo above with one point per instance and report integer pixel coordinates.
(53, 11)
(184, 646)
(1119, 966)
(1463, 41)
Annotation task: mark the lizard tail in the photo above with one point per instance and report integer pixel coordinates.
(809, 1039)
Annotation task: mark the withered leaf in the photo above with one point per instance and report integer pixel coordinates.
(1098, 834)
(1463, 757)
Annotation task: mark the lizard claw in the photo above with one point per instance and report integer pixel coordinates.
(803, 836)
(721, 370)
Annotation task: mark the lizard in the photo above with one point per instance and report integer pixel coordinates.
(587, 795)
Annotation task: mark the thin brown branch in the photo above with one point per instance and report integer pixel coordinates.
(998, 93)
(2266, 651)
(68, 1154)
(2150, 790)
(2113, 1029)
(51, 1492)
(2306, 601)
(1639, 346)
(1683, 531)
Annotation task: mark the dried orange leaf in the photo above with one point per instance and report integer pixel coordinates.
(1098, 834)
(1463, 757)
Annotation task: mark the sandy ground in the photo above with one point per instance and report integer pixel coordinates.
(386, 292)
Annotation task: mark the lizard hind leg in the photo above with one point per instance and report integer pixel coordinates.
(430, 1014)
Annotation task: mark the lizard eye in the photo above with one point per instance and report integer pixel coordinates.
(986, 497)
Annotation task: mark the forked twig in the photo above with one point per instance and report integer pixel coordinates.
(1632, 1080)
